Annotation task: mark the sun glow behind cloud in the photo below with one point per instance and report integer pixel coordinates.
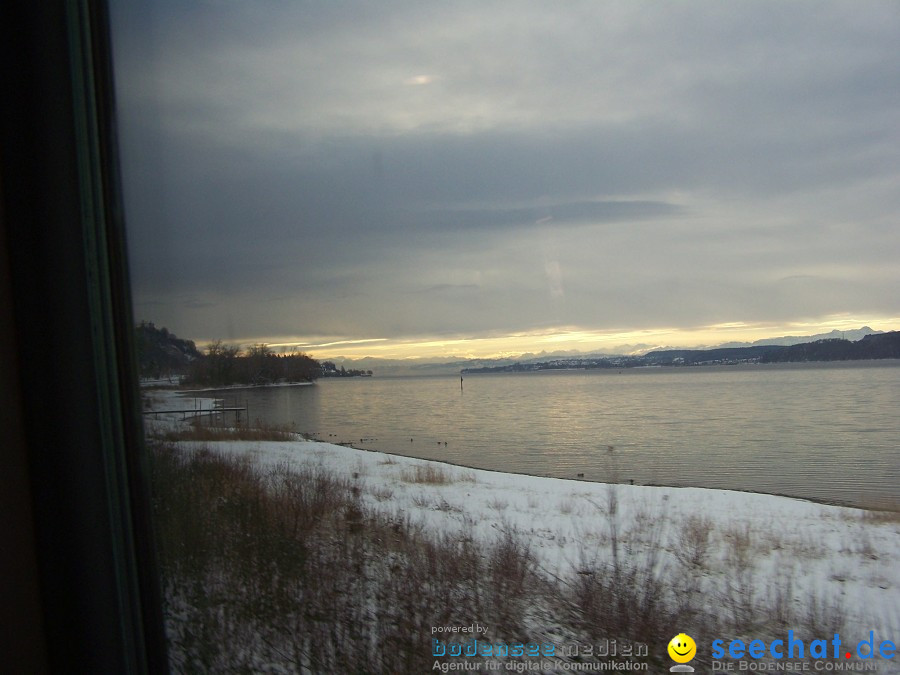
(419, 80)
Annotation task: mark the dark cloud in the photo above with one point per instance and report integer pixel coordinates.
(396, 169)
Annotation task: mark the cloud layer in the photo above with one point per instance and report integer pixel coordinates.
(406, 170)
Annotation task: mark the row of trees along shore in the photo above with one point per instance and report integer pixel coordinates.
(162, 354)
(223, 365)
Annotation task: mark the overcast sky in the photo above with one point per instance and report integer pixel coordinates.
(470, 178)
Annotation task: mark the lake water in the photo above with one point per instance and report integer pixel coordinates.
(825, 431)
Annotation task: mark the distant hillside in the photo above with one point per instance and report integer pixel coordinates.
(877, 346)
(787, 340)
(873, 346)
(693, 357)
(161, 353)
(619, 356)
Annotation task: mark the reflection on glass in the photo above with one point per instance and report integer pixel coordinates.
(407, 192)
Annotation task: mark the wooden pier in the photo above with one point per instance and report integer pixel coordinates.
(217, 412)
(187, 413)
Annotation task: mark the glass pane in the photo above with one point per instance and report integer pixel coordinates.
(453, 314)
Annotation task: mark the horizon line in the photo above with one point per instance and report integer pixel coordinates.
(569, 340)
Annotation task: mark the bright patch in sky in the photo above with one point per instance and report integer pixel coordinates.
(569, 339)
(420, 79)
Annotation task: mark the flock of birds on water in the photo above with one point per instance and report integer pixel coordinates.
(314, 434)
(609, 448)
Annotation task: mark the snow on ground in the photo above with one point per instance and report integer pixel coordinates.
(842, 555)
(846, 557)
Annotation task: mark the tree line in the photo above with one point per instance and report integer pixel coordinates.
(329, 369)
(161, 354)
(223, 365)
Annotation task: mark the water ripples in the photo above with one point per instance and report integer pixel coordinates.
(830, 433)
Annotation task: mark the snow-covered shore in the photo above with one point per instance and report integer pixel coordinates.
(844, 554)
(841, 559)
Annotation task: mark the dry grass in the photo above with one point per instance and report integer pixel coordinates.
(887, 517)
(382, 494)
(430, 474)
(444, 505)
(804, 546)
(691, 541)
(198, 432)
(498, 504)
(625, 595)
(288, 571)
(740, 591)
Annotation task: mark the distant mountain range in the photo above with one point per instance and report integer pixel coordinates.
(412, 367)
(870, 346)
(161, 352)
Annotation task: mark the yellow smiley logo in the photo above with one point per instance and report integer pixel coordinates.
(682, 648)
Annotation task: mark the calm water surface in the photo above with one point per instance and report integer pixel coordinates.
(827, 431)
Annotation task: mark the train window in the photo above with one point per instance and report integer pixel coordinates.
(496, 237)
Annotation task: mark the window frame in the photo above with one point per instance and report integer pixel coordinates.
(77, 571)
